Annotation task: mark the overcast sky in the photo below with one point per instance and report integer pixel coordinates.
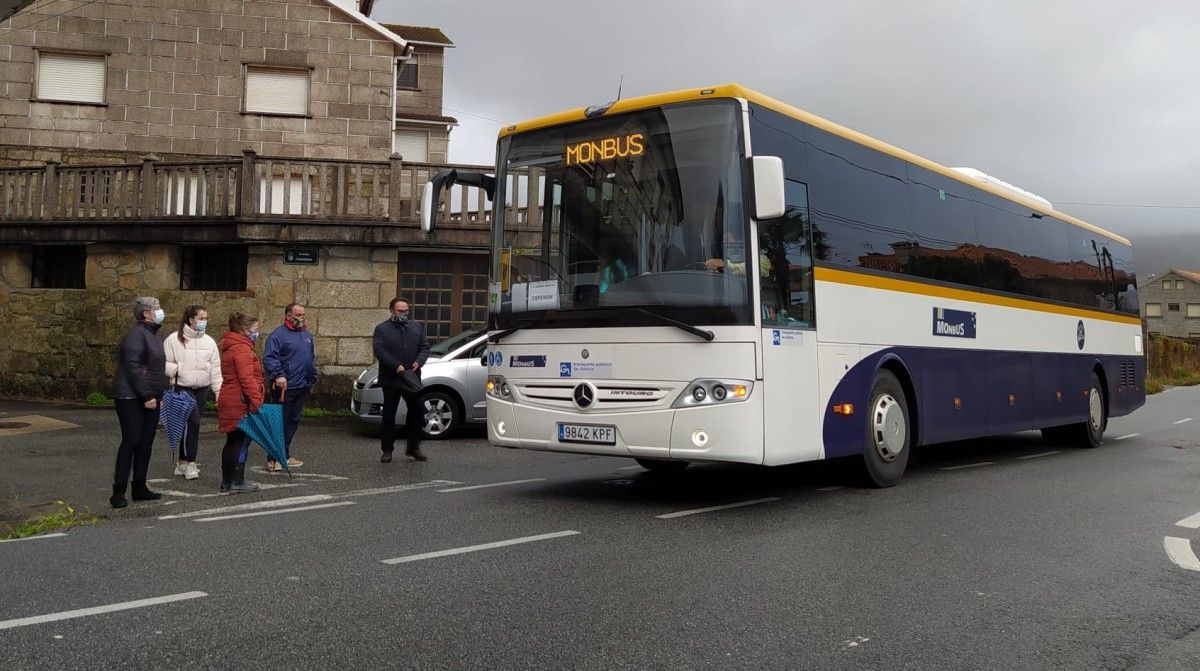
(1078, 101)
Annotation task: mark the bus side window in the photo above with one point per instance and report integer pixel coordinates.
(785, 263)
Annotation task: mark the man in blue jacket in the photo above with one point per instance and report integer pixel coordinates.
(401, 347)
(291, 363)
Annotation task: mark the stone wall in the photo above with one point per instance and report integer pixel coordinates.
(176, 78)
(61, 343)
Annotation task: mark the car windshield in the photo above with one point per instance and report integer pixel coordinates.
(450, 344)
(630, 216)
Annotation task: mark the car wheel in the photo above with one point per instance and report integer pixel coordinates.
(442, 416)
(889, 432)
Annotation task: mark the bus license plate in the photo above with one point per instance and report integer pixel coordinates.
(587, 433)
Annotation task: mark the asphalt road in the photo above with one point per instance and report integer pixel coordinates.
(995, 554)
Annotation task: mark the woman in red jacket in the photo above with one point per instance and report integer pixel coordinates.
(241, 394)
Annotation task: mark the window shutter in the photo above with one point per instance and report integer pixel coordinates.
(70, 77)
(277, 91)
(1153, 309)
(412, 145)
(1193, 310)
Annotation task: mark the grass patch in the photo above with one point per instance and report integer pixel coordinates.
(64, 518)
(323, 413)
(100, 400)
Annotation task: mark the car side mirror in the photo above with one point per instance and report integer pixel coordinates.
(767, 175)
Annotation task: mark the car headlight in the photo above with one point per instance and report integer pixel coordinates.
(705, 391)
(497, 387)
(373, 383)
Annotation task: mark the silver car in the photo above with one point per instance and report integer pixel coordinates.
(455, 378)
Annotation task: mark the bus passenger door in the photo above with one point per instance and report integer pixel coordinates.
(789, 343)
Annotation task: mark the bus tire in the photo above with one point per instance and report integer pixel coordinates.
(889, 432)
(664, 466)
(1090, 434)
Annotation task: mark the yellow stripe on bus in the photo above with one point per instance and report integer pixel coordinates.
(741, 92)
(909, 287)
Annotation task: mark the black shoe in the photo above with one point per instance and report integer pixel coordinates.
(415, 453)
(118, 500)
(226, 476)
(142, 493)
(385, 458)
(239, 484)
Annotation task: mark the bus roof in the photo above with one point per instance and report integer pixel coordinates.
(741, 92)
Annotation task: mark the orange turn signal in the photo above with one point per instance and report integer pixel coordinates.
(491, 386)
(739, 391)
(843, 409)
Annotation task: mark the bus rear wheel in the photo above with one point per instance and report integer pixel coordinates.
(662, 465)
(889, 432)
(1090, 433)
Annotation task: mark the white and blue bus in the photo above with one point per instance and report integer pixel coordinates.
(713, 275)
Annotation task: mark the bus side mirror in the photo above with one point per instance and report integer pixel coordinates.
(767, 174)
(444, 179)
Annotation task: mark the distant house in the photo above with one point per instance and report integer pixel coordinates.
(1170, 303)
(422, 132)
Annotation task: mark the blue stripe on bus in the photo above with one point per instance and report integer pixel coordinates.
(982, 381)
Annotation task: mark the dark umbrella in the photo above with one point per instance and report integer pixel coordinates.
(174, 410)
(265, 427)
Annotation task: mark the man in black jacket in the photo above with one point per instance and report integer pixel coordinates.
(140, 382)
(401, 348)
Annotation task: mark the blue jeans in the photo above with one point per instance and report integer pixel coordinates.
(293, 408)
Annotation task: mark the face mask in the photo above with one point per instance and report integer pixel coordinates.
(298, 322)
(400, 319)
(201, 325)
(159, 316)
(253, 336)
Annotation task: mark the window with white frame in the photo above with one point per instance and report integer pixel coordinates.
(75, 78)
(1179, 284)
(1153, 309)
(1193, 310)
(412, 144)
(406, 74)
(277, 91)
(1167, 284)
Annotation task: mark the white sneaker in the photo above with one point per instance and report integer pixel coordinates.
(191, 472)
(293, 462)
(181, 468)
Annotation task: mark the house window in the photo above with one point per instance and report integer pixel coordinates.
(1193, 310)
(1172, 307)
(448, 291)
(406, 74)
(1179, 284)
(1153, 309)
(412, 145)
(275, 91)
(74, 78)
(1167, 284)
(213, 268)
(59, 266)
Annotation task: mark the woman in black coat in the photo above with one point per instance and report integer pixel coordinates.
(140, 383)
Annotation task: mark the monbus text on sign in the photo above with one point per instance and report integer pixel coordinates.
(605, 149)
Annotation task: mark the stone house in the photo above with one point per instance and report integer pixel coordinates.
(232, 153)
(1170, 303)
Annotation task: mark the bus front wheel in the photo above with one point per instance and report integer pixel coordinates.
(889, 432)
(662, 465)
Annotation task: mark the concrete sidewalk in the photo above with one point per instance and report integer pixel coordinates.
(55, 451)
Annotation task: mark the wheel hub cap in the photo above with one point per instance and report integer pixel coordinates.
(437, 416)
(888, 428)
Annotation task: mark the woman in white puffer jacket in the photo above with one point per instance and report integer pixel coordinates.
(193, 364)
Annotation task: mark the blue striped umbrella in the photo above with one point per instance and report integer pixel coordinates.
(174, 410)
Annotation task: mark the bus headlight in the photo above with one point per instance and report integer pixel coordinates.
(497, 387)
(707, 391)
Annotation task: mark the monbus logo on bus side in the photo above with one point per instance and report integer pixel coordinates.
(605, 149)
(953, 323)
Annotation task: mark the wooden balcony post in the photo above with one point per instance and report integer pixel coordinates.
(247, 186)
(147, 196)
(48, 208)
(395, 173)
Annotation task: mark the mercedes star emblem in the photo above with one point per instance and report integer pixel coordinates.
(584, 395)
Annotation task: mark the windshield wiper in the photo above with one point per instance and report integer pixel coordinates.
(696, 331)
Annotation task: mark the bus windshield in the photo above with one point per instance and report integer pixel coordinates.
(632, 216)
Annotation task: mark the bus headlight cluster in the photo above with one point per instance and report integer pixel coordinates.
(497, 387)
(712, 392)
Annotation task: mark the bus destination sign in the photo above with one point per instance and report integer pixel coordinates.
(605, 149)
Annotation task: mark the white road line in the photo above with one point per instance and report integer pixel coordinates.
(1128, 435)
(829, 489)
(962, 466)
(278, 511)
(1192, 522)
(316, 476)
(1179, 550)
(477, 548)
(397, 488)
(1040, 454)
(494, 484)
(697, 511)
(257, 505)
(84, 612)
(1183, 421)
(34, 538)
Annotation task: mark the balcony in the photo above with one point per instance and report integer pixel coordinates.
(254, 199)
